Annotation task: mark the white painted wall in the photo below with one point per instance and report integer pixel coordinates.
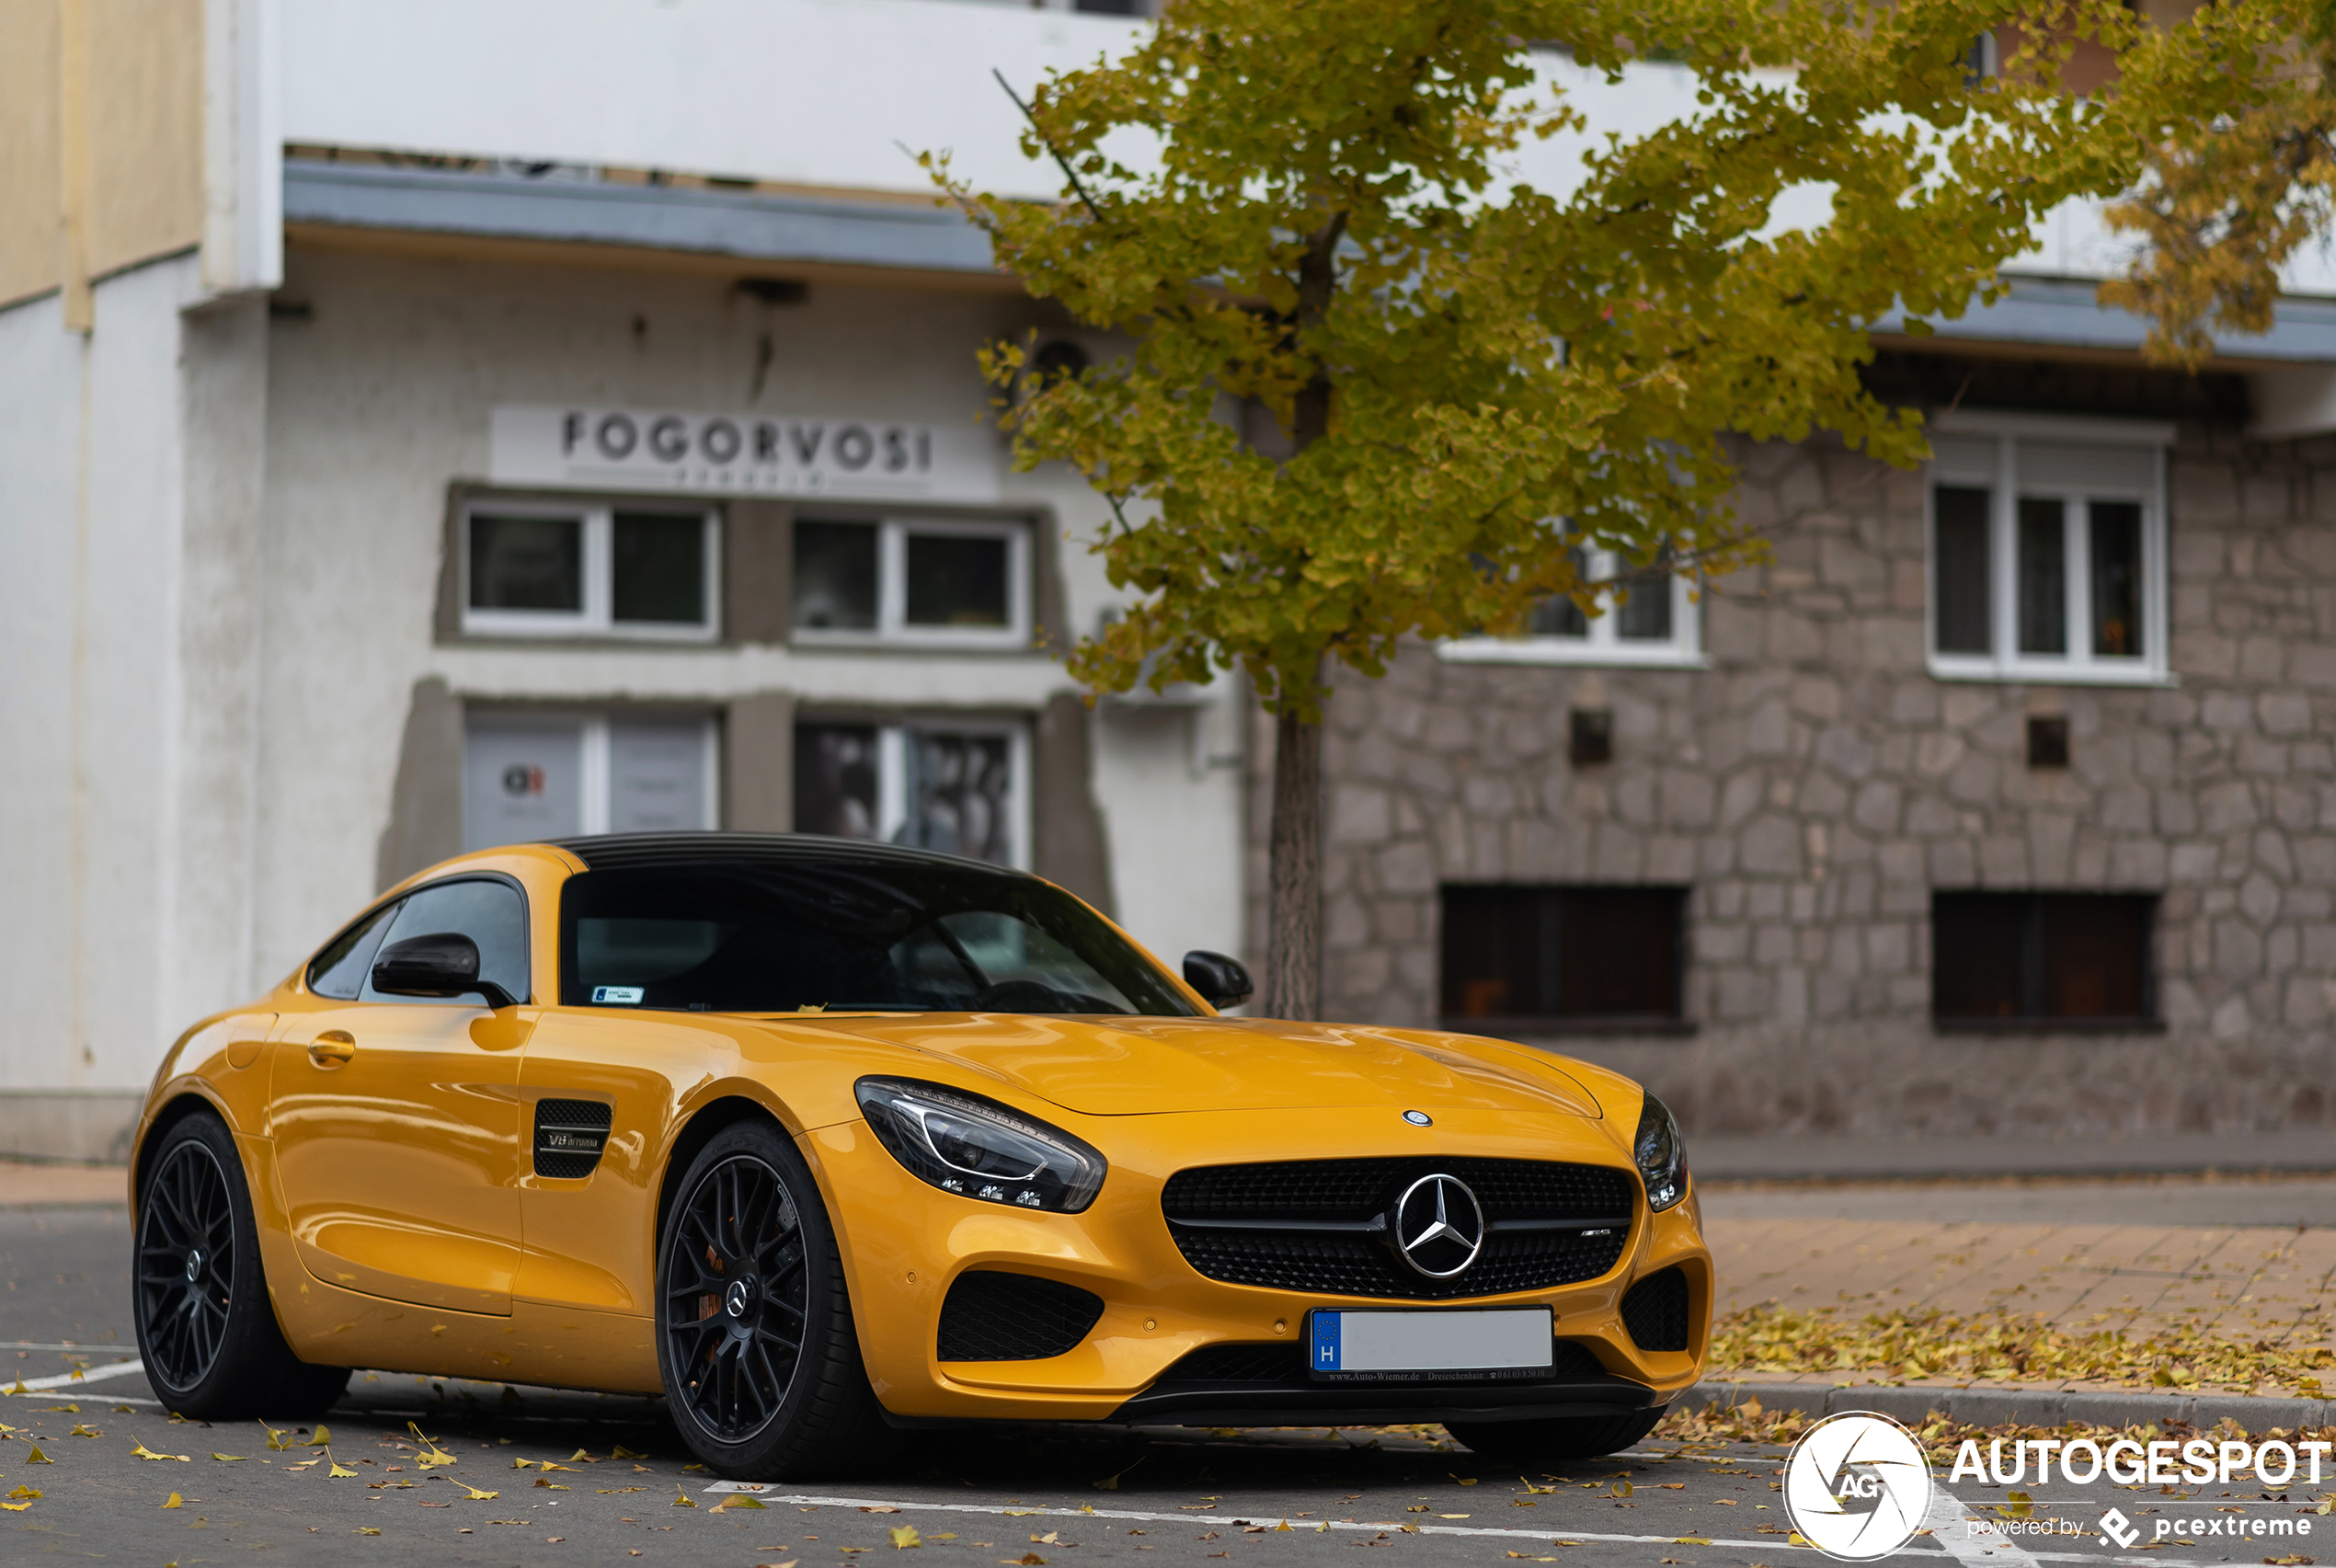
(41, 372)
(123, 877)
(383, 397)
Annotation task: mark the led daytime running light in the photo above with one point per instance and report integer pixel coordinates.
(977, 1148)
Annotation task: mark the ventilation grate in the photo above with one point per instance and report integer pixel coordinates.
(1655, 1311)
(569, 1136)
(990, 1316)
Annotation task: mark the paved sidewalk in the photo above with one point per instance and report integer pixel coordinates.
(25, 1184)
(1850, 1157)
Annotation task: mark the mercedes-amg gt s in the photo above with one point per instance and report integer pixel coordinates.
(824, 1138)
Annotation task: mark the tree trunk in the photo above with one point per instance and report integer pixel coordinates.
(1294, 917)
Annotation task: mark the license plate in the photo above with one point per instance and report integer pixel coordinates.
(1458, 1346)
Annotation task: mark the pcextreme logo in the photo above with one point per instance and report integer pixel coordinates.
(1857, 1486)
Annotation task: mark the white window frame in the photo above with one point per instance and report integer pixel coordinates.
(597, 617)
(892, 626)
(594, 790)
(2080, 665)
(1601, 642)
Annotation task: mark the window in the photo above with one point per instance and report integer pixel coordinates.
(530, 776)
(926, 581)
(339, 971)
(534, 570)
(961, 789)
(1562, 957)
(1655, 623)
(843, 933)
(2047, 551)
(2043, 960)
(491, 912)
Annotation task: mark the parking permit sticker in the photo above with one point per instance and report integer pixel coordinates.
(617, 994)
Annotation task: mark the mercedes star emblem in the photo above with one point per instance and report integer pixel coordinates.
(1440, 1225)
(1419, 1118)
(738, 1299)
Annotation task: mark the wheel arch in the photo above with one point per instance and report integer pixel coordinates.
(187, 1102)
(705, 1124)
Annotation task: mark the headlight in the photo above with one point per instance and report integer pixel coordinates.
(977, 1148)
(1661, 1158)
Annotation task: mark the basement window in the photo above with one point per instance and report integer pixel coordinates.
(2031, 961)
(1564, 959)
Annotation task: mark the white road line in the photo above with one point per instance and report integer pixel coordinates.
(1972, 1538)
(2004, 1556)
(1218, 1517)
(88, 1375)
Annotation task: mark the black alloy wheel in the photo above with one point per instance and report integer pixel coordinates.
(186, 1264)
(206, 1330)
(736, 1299)
(755, 1343)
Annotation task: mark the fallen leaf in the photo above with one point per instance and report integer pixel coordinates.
(1032, 1560)
(621, 1452)
(682, 1501)
(1690, 1540)
(143, 1452)
(905, 1536)
(736, 1500)
(367, 1530)
(522, 1464)
(1283, 1525)
(341, 1472)
(26, 1492)
(880, 1508)
(1673, 1485)
(175, 1502)
(553, 1485)
(323, 1437)
(615, 1491)
(1451, 1515)
(15, 1507)
(1461, 1481)
(475, 1493)
(228, 1459)
(580, 1457)
(790, 1563)
(1052, 1537)
(81, 1431)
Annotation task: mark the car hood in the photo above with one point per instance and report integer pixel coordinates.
(1141, 1066)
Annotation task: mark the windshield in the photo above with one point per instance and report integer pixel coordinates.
(846, 937)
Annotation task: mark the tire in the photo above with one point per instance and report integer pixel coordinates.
(1576, 1437)
(755, 1343)
(206, 1328)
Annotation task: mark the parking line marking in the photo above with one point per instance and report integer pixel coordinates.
(1974, 1539)
(86, 1375)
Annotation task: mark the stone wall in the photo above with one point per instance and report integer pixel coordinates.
(1816, 783)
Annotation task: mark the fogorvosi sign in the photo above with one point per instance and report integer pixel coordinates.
(780, 454)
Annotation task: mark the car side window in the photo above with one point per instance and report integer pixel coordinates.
(491, 913)
(341, 969)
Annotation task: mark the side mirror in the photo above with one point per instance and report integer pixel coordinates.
(442, 964)
(1222, 981)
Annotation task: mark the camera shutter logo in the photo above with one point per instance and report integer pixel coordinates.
(1857, 1486)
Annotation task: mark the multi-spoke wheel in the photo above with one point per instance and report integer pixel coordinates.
(206, 1329)
(186, 1264)
(754, 1329)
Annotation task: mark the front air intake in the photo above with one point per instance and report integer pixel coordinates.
(569, 1136)
(990, 1316)
(1655, 1311)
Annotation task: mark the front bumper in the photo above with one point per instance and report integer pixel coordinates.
(904, 1244)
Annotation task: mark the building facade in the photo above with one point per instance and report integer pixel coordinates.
(430, 426)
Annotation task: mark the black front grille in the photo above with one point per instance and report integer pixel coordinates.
(569, 1136)
(1307, 1193)
(1655, 1311)
(990, 1316)
(1284, 1365)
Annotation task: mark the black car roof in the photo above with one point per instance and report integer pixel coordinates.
(676, 851)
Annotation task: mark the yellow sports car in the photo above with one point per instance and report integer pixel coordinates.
(824, 1138)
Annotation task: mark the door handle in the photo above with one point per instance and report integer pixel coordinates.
(334, 1047)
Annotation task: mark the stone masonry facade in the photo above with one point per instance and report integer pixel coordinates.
(1816, 783)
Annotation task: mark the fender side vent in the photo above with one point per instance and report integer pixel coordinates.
(1655, 1311)
(990, 1316)
(569, 1136)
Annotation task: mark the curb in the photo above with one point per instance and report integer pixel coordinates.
(2025, 1407)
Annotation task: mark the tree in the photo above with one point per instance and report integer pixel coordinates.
(2236, 108)
(1306, 208)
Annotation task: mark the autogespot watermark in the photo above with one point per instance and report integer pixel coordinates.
(1858, 1486)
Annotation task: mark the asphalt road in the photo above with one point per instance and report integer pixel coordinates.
(1057, 1496)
